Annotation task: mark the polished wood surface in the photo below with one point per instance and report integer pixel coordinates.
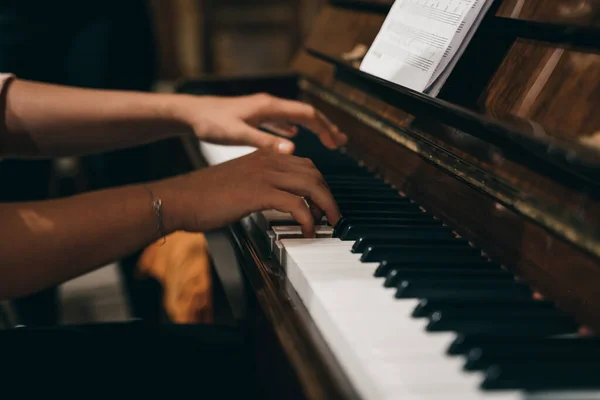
(552, 86)
(571, 12)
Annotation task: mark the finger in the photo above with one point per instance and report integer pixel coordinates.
(316, 212)
(312, 188)
(303, 114)
(262, 140)
(281, 128)
(294, 205)
(340, 138)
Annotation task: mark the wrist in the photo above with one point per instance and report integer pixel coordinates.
(171, 208)
(176, 108)
(171, 109)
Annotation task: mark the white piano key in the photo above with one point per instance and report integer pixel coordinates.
(386, 353)
(265, 219)
(216, 154)
(291, 232)
(271, 240)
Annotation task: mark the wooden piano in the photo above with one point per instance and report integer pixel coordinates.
(468, 262)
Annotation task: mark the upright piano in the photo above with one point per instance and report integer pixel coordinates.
(467, 262)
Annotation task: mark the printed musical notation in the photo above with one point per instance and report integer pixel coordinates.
(418, 38)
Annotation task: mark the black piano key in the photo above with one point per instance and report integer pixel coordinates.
(352, 179)
(384, 268)
(344, 228)
(426, 307)
(417, 219)
(480, 358)
(422, 257)
(410, 213)
(388, 220)
(364, 186)
(509, 326)
(542, 375)
(342, 191)
(399, 253)
(407, 289)
(354, 232)
(388, 205)
(366, 195)
(409, 238)
(464, 343)
(481, 313)
(534, 325)
(400, 273)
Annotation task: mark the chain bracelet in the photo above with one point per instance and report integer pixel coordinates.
(157, 208)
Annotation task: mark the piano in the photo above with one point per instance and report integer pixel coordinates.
(467, 262)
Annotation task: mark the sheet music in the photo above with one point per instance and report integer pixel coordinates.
(457, 46)
(414, 38)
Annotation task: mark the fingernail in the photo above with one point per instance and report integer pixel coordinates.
(285, 147)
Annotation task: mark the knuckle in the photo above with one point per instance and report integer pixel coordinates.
(308, 162)
(264, 99)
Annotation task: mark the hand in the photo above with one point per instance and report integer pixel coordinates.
(235, 121)
(214, 197)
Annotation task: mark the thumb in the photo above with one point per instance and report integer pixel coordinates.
(263, 140)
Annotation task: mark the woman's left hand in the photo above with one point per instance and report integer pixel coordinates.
(235, 121)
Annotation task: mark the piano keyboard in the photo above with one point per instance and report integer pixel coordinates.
(411, 311)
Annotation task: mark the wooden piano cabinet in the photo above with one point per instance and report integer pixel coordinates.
(548, 254)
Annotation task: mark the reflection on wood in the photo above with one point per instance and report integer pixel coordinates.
(556, 88)
(575, 12)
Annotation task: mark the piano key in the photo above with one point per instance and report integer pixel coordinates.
(295, 231)
(418, 237)
(441, 288)
(383, 350)
(338, 190)
(416, 218)
(354, 232)
(357, 183)
(401, 273)
(462, 344)
(413, 212)
(483, 357)
(400, 253)
(357, 177)
(388, 205)
(479, 312)
(534, 325)
(264, 220)
(428, 306)
(385, 267)
(346, 229)
(367, 195)
(543, 375)
(271, 240)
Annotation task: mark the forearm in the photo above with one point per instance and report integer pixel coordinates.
(44, 120)
(46, 243)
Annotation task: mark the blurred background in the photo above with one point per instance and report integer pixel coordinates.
(226, 37)
(129, 45)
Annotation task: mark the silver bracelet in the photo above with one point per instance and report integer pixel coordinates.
(157, 208)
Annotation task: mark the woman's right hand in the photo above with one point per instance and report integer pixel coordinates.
(217, 196)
